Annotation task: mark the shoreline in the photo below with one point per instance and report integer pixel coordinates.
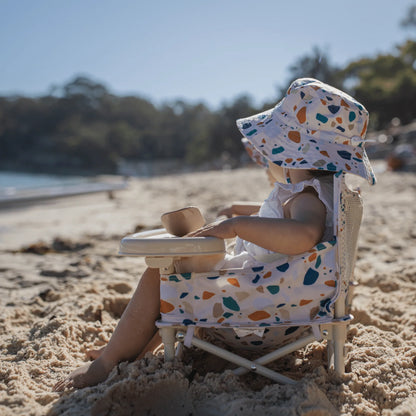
(30, 196)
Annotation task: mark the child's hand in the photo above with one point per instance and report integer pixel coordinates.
(228, 212)
(223, 229)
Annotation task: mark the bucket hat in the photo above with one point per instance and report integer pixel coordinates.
(315, 126)
(256, 156)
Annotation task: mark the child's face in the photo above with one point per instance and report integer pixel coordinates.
(275, 173)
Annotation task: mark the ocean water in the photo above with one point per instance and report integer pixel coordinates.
(20, 188)
(11, 182)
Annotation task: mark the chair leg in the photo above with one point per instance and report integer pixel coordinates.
(168, 339)
(340, 333)
(339, 337)
(330, 353)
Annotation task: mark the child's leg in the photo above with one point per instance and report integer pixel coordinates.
(198, 264)
(153, 345)
(180, 223)
(133, 333)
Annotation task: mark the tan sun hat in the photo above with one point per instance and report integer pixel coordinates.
(315, 126)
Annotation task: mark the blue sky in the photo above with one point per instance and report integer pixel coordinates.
(200, 50)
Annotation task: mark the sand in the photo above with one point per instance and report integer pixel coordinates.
(63, 287)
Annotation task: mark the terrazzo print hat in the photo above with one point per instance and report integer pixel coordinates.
(315, 126)
(254, 154)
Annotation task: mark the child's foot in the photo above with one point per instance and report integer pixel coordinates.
(94, 354)
(87, 375)
(183, 221)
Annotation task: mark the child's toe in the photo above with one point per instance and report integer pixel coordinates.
(63, 385)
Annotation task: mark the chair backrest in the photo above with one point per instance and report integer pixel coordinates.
(349, 208)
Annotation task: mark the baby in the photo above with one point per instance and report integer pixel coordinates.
(314, 132)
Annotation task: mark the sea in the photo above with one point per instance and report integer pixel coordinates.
(28, 187)
(12, 181)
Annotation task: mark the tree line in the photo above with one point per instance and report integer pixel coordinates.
(82, 127)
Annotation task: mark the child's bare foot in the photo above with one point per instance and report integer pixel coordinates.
(183, 221)
(94, 354)
(87, 375)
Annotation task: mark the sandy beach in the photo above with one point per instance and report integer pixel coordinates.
(63, 288)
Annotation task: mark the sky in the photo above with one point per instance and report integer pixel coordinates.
(209, 51)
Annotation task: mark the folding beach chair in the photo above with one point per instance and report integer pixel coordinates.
(292, 293)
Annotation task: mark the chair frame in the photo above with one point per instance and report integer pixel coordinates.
(348, 214)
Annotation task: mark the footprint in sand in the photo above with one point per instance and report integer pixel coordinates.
(165, 397)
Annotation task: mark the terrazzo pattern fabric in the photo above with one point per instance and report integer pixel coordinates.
(315, 126)
(270, 339)
(294, 291)
(254, 154)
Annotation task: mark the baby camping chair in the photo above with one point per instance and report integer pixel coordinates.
(252, 299)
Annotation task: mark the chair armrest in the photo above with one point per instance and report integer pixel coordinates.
(164, 244)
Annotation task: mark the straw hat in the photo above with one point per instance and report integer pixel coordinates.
(315, 126)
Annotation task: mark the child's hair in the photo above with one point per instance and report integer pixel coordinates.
(321, 173)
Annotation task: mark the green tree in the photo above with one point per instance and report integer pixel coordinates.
(317, 65)
(225, 139)
(386, 84)
(410, 19)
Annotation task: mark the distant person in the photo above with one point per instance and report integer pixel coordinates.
(402, 156)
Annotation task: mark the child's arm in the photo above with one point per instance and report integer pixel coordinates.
(240, 208)
(300, 232)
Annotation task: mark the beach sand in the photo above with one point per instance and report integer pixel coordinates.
(63, 287)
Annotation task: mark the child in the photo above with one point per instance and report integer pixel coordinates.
(314, 129)
(244, 207)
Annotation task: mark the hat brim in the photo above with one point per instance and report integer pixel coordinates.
(272, 134)
(254, 154)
